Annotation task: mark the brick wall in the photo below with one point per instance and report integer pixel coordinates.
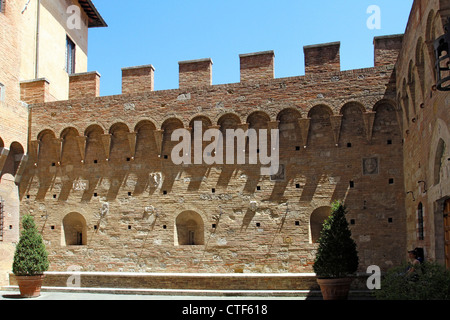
(108, 159)
(425, 128)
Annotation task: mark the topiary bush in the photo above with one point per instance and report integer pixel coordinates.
(432, 282)
(336, 255)
(30, 257)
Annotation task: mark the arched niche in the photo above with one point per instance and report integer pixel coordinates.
(316, 221)
(74, 230)
(189, 229)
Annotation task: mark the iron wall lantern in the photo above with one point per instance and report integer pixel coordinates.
(442, 51)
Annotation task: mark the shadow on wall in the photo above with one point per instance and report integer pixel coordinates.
(56, 164)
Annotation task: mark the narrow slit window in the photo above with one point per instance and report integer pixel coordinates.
(420, 228)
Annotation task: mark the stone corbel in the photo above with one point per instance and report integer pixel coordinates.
(106, 141)
(3, 156)
(34, 151)
(273, 125)
(369, 119)
(216, 141)
(59, 144)
(132, 136)
(159, 135)
(336, 123)
(81, 142)
(304, 124)
(23, 160)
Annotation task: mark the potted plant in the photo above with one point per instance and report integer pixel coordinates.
(30, 259)
(336, 258)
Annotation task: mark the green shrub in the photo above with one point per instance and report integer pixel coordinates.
(432, 282)
(30, 257)
(336, 256)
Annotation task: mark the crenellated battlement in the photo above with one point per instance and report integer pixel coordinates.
(320, 59)
(84, 85)
(387, 49)
(195, 73)
(257, 66)
(138, 79)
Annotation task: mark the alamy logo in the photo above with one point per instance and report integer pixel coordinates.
(74, 20)
(374, 21)
(374, 280)
(74, 281)
(215, 153)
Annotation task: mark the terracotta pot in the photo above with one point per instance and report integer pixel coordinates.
(335, 289)
(30, 286)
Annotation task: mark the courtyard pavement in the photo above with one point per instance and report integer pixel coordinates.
(14, 295)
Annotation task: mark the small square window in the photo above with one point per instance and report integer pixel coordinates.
(390, 220)
(349, 145)
(352, 184)
(166, 156)
(52, 227)
(297, 186)
(352, 221)
(391, 181)
(95, 194)
(258, 224)
(297, 148)
(164, 192)
(297, 223)
(389, 141)
(213, 190)
(95, 161)
(214, 226)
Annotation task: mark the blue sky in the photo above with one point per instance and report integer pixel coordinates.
(161, 33)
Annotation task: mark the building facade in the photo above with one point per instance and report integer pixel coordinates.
(425, 130)
(101, 181)
(35, 36)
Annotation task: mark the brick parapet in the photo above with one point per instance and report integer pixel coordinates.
(138, 79)
(195, 73)
(369, 83)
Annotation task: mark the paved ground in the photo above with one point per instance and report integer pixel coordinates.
(12, 295)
